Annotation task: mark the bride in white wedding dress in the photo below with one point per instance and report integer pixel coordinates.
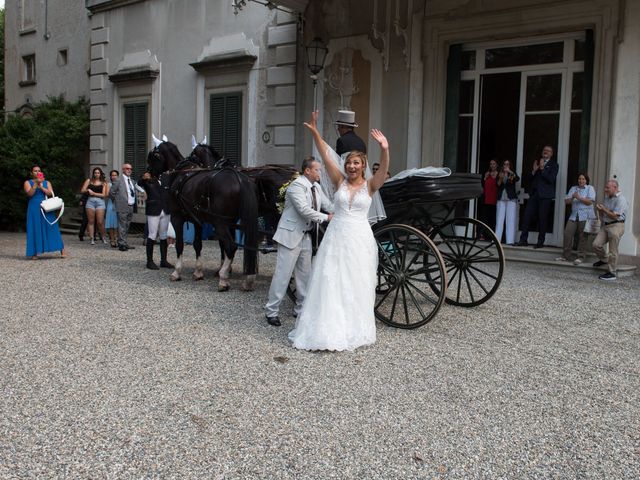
(338, 312)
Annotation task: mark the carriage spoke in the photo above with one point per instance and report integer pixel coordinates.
(415, 301)
(424, 295)
(466, 277)
(477, 281)
(404, 303)
(490, 275)
(459, 273)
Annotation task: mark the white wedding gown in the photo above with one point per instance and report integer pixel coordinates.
(338, 311)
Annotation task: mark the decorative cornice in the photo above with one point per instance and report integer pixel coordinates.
(236, 60)
(96, 6)
(134, 74)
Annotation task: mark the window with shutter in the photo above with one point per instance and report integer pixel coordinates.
(225, 123)
(135, 137)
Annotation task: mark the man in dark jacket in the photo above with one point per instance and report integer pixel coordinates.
(348, 140)
(542, 193)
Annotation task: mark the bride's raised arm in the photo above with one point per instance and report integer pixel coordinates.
(332, 169)
(380, 176)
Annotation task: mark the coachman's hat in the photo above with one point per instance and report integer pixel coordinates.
(346, 117)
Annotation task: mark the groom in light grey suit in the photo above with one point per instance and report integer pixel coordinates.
(301, 215)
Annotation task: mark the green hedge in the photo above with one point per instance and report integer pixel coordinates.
(56, 137)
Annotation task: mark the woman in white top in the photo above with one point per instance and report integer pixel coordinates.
(581, 198)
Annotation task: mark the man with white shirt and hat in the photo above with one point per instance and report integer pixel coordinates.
(348, 140)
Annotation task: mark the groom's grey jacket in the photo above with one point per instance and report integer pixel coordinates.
(298, 215)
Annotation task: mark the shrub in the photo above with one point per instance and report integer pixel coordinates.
(56, 137)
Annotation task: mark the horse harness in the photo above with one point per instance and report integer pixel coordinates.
(203, 204)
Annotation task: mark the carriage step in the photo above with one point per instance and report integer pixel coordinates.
(548, 255)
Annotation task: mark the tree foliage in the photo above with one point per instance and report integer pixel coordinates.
(56, 138)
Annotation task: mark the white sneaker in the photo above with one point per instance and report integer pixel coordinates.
(93, 242)
(561, 259)
(577, 261)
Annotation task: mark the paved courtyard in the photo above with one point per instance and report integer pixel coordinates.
(108, 370)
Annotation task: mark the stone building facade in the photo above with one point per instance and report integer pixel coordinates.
(451, 82)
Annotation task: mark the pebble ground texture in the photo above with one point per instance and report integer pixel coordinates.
(109, 370)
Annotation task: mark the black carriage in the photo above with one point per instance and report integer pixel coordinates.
(429, 254)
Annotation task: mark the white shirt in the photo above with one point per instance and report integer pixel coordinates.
(131, 198)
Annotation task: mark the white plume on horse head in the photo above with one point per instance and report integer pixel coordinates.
(156, 142)
(204, 141)
(164, 138)
(194, 142)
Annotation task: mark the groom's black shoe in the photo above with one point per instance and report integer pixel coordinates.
(275, 321)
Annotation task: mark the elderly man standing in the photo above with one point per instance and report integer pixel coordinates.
(613, 212)
(123, 195)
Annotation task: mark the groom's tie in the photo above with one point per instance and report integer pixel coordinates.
(314, 201)
(314, 230)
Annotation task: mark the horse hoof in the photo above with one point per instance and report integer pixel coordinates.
(223, 288)
(198, 277)
(175, 278)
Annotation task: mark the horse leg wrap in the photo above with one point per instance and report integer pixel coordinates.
(223, 283)
(176, 275)
(198, 273)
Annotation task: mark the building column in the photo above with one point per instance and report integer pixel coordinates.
(625, 144)
(99, 105)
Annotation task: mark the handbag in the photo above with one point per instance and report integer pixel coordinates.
(51, 205)
(592, 225)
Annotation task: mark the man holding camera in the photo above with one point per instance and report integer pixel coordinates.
(612, 212)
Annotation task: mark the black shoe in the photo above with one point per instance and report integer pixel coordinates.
(81, 238)
(539, 245)
(152, 266)
(608, 276)
(122, 248)
(599, 263)
(521, 244)
(166, 265)
(130, 248)
(275, 321)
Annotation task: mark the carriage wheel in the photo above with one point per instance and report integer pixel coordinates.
(474, 259)
(411, 277)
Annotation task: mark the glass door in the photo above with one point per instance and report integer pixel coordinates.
(542, 113)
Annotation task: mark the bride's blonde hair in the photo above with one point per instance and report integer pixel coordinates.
(363, 157)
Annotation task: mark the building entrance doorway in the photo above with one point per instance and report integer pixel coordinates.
(514, 100)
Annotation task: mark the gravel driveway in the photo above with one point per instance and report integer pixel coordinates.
(109, 370)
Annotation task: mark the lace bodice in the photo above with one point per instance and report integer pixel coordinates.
(356, 206)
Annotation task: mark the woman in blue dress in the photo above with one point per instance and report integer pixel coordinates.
(41, 236)
(111, 218)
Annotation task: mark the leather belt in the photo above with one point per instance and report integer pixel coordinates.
(615, 221)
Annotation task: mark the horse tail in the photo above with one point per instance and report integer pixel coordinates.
(249, 220)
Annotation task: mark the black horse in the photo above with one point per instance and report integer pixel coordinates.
(201, 190)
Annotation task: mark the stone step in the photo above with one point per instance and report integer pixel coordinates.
(548, 255)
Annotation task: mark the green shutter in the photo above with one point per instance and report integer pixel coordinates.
(452, 109)
(225, 123)
(135, 136)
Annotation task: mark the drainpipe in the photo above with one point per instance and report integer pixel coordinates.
(47, 34)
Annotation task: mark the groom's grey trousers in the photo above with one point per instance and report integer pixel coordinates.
(290, 260)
